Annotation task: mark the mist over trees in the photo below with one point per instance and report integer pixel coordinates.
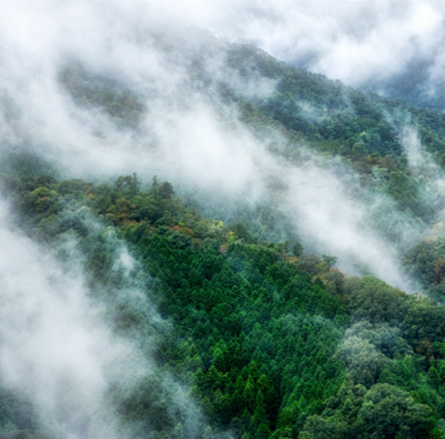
(265, 343)
(207, 235)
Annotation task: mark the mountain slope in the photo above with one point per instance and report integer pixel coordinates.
(183, 326)
(272, 344)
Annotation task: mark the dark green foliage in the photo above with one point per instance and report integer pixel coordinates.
(271, 345)
(426, 262)
(381, 412)
(377, 302)
(272, 342)
(389, 412)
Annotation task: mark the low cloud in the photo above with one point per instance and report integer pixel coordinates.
(57, 348)
(360, 43)
(166, 74)
(61, 64)
(432, 177)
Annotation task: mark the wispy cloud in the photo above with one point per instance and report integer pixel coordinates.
(184, 132)
(57, 348)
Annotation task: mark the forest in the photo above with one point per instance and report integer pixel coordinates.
(271, 342)
(230, 247)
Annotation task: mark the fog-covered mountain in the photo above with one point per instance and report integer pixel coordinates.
(390, 47)
(295, 289)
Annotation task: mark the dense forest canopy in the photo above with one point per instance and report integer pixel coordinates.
(202, 240)
(270, 341)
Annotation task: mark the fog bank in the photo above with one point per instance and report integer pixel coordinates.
(121, 88)
(393, 46)
(58, 350)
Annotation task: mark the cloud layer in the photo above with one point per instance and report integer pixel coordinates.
(59, 60)
(58, 350)
(354, 41)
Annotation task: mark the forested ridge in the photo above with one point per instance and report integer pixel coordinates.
(271, 341)
(307, 110)
(261, 338)
(366, 129)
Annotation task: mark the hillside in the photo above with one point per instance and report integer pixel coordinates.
(270, 343)
(291, 141)
(201, 241)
